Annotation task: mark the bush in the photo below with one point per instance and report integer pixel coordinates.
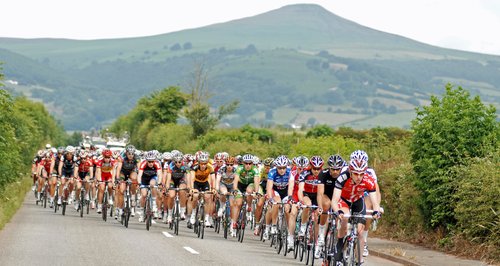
(477, 208)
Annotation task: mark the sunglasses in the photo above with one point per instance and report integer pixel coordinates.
(248, 163)
(281, 168)
(178, 162)
(316, 168)
(335, 169)
(203, 163)
(151, 161)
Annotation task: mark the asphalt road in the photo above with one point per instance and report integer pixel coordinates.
(38, 236)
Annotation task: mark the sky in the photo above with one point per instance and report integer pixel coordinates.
(464, 25)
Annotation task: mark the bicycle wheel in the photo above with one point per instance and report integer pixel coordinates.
(56, 197)
(284, 235)
(87, 202)
(177, 219)
(148, 212)
(311, 242)
(105, 206)
(225, 223)
(81, 203)
(45, 191)
(196, 221)
(202, 222)
(330, 243)
(242, 225)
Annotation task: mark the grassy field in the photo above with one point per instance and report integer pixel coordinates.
(12, 198)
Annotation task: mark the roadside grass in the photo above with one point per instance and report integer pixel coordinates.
(11, 199)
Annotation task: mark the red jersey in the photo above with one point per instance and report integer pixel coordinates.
(310, 181)
(352, 192)
(84, 165)
(106, 168)
(46, 162)
(150, 171)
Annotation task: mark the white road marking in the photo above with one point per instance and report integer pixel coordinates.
(167, 234)
(192, 251)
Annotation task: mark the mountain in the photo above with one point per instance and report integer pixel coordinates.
(295, 65)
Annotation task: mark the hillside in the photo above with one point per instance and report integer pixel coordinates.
(296, 64)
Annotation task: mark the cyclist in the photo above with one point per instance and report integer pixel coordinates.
(277, 191)
(326, 185)
(348, 195)
(202, 175)
(246, 179)
(67, 170)
(369, 206)
(85, 172)
(308, 189)
(128, 163)
(105, 172)
(176, 178)
(301, 164)
(35, 166)
(224, 184)
(149, 175)
(267, 163)
(45, 168)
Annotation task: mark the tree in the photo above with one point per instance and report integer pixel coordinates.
(448, 133)
(320, 131)
(198, 112)
(164, 106)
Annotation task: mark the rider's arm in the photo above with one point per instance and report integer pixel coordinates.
(119, 167)
(269, 188)
(98, 173)
(159, 174)
(75, 171)
(373, 198)
(91, 171)
(301, 191)
(59, 171)
(319, 195)
(211, 179)
(139, 176)
(335, 199)
(168, 177)
(52, 165)
(291, 185)
(191, 181)
(235, 182)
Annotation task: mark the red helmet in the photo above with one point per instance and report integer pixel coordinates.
(107, 153)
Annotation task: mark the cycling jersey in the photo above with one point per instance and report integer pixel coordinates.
(326, 178)
(106, 169)
(84, 165)
(311, 182)
(149, 171)
(178, 175)
(247, 177)
(202, 176)
(280, 182)
(46, 162)
(226, 178)
(129, 165)
(352, 192)
(68, 165)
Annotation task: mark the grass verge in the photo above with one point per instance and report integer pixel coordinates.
(12, 198)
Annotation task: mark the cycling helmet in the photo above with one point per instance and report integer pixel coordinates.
(335, 161)
(83, 154)
(116, 154)
(53, 150)
(70, 149)
(150, 156)
(281, 161)
(225, 155)
(230, 161)
(247, 158)
(48, 146)
(316, 161)
(359, 161)
(203, 158)
(268, 161)
(167, 156)
(301, 161)
(107, 153)
(188, 157)
(130, 149)
(177, 158)
(219, 156)
(60, 149)
(239, 159)
(256, 160)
